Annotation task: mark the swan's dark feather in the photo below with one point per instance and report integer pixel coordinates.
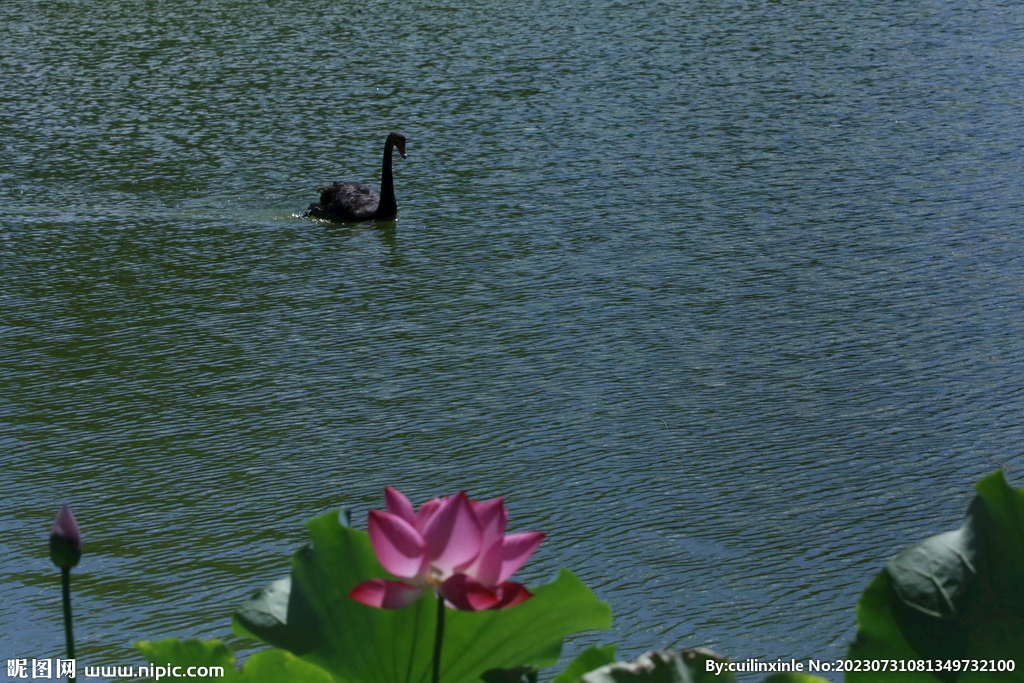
(345, 202)
(353, 202)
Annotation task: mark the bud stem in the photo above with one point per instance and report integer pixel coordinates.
(438, 638)
(69, 636)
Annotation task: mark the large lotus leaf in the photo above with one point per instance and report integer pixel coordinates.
(185, 653)
(996, 618)
(281, 666)
(585, 662)
(954, 596)
(521, 674)
(663, 666)
(360, 644)
(269, 666)
(879, 637)
(936, 576)
(276, 616)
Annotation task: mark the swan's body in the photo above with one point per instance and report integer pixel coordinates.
(350, 202)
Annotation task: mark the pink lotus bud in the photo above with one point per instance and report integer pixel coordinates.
(65, 539)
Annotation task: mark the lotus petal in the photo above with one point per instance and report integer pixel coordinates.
(398, 545)
(386, 594)
(512, 594)
(397, 504)
(427, 511)
(452, 535)
(493, 517)
(516, 550)
(466, 593)
(487, 567)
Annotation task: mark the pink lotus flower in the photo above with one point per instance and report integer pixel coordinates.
(454, 545)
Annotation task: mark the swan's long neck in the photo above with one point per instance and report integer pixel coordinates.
(388, 206)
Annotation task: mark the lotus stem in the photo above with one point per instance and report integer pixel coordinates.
(438, 639)
(69, 634)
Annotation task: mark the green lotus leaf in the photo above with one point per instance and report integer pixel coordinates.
(360, 644)
(663, 666)
(274, 615)
(172, 652)
(879, 637)
(521, 674)
(585, 662)
(955, 596)
(793, 677)
(281, 666)
(268, 666)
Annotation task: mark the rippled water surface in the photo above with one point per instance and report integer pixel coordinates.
(725, 296)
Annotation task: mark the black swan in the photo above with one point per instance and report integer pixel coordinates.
(357, 202)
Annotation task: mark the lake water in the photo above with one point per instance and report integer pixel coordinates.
(727, 297)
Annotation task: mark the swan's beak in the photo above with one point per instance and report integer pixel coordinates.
(401, 150)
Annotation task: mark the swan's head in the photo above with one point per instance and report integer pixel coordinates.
(399, 141)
